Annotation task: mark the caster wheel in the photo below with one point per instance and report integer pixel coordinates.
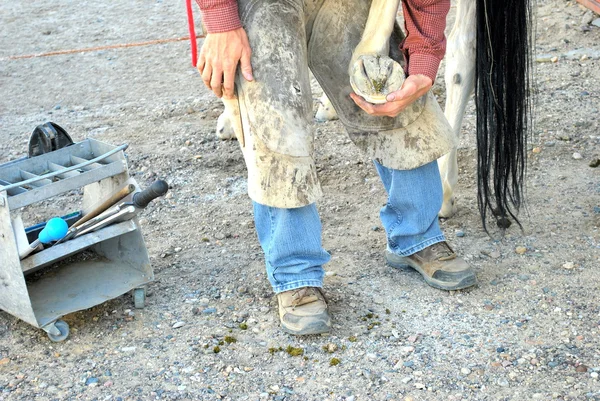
(139, 298)
(59, 332)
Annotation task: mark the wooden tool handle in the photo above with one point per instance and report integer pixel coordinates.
(116, 197)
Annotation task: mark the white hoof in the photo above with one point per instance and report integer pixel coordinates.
(373, 77)
(224, 127)
(448, 209)
(325, 112)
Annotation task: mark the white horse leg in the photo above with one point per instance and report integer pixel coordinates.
(460, 82)
(325, 112)
(224, 127)
(372, 73)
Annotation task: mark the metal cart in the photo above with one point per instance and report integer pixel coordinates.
(120, 260)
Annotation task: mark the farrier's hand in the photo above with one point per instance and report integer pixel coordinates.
(219, 57)
(413, 88)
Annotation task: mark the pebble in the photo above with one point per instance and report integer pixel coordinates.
(536, 150)
(569, 265)
(406, 380)
(460, 233)
(465, 371)
(596, 22)
(209, 311)
(520, 250)
(92, 381)
(581, 369)
(408, 364)
(594, 375)
(553, 364)
(378, 300)
(577, 156)
(595, 163)
(495, 254)
(178, 325)
(420, 386)
(502, 382)
(128, 349)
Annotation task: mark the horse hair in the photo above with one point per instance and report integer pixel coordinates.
(503, 103)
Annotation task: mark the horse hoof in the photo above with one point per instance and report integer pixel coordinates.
(224, 127)
(325, 112)
(448, 209)
(374, 77)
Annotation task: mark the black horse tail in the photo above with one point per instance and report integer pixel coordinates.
(503, 101)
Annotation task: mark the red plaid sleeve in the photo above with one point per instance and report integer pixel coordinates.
(219, 15)
(425, 43)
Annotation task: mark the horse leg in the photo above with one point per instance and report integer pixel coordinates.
(325, 112)
(372, 73)
(460, 82)
(224, 126)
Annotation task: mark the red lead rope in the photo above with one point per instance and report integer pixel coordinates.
(194, 48)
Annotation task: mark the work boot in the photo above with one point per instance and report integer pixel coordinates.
(439, 265)
(304, 311)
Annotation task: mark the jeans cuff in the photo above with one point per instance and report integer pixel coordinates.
(420, 246)
(297, 284)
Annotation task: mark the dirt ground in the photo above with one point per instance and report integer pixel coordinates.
(529, 330)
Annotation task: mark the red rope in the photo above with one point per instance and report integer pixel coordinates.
(190, 16)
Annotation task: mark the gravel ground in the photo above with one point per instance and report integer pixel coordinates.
(529, 330)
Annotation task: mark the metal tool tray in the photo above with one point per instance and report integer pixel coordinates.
(120, 260)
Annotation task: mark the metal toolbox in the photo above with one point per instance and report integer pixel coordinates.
(37, 289)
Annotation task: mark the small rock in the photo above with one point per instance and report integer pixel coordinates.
(4, 361)
(569, 265)
(178, 325)
(128, 350)
(553, 364)
(520, 250)
(420, 386)
(460, 233)
(408, 364)
(594, 375)
(495, 254)
(465, 371)
(554, 59)
(595, 163)
(406, 380)
(581, 369)
(577, 156)
(330, 273)
(596, 22)
(92, 381)
(537, 149)
(209, 311)
(502, 382)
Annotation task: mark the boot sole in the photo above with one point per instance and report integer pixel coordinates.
(402, 262)
(318, 327)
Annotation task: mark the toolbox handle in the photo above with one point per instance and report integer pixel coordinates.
(158, 188)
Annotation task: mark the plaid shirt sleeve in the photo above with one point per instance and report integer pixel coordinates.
(220, 15)
(425, 43)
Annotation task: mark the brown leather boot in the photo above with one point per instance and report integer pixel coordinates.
(439, 265)
(304, 311)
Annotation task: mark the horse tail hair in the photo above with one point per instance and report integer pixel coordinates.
(502, 99)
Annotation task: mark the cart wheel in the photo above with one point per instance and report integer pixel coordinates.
(63, 328)
(139, 298)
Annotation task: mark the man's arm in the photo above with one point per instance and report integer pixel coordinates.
(219, 15)
(225, 46)
(425, 43)
(424, 47)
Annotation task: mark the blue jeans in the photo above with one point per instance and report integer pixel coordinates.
(291, 238)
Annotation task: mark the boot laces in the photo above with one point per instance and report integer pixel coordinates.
(442, 251)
